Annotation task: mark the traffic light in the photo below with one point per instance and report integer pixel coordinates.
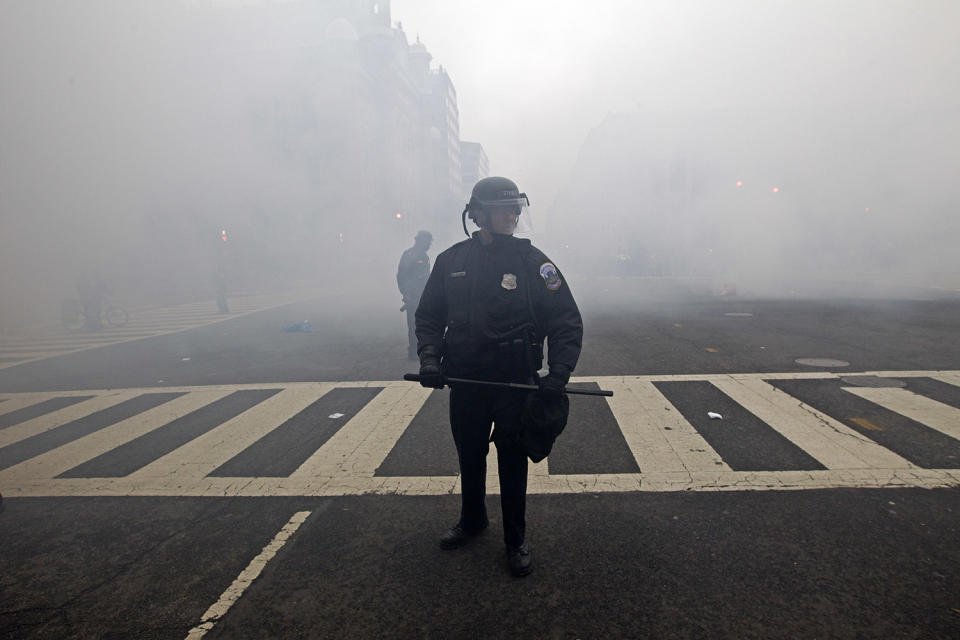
(223, 235)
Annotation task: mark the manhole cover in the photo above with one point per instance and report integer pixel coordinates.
(739, 315)
(822, 362)
(873, 381)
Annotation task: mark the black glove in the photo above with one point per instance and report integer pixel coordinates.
(431, 375)
(554, 382)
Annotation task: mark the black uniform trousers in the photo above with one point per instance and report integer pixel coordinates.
(473, 408)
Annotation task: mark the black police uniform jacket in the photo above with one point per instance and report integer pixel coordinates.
(412, 273)
(477, 294)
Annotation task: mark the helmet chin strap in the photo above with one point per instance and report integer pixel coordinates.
(463, 219)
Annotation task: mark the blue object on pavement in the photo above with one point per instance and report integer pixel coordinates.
(299, 327)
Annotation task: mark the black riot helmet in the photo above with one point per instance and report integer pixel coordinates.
(490, 193)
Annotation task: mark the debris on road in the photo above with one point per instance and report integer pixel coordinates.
(184, 359)
(299, 327)
(714, 416)
(335, 415)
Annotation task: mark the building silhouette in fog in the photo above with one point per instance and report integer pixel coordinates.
(358, 107)
(473, 164)
(314, 131)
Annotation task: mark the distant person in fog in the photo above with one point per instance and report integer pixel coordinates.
(90, 292)
(412, 274)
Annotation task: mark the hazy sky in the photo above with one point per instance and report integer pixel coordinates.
(534, 77)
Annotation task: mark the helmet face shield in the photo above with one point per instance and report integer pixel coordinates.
(524, 223)
(513, 219)
(517, 201)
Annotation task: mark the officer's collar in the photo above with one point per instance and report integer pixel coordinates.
(499, 240)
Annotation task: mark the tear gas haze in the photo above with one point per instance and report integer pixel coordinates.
(783, 146)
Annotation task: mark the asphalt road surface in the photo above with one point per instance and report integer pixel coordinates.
(209, 476)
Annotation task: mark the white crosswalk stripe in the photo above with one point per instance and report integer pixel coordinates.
(670, 453)
(142, 324)
(205, 453)
(659, 437)
(832, 443)
(48, 421)
(926, 411)
(70, 455)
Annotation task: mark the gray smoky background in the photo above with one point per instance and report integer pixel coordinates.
(782, 148)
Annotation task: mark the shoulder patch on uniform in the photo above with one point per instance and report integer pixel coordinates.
(550, 276)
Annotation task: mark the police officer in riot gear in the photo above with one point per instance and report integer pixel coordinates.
(487, 307)
(412, 274)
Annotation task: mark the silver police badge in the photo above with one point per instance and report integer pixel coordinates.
(509, 281)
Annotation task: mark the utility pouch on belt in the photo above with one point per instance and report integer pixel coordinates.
(519, 354)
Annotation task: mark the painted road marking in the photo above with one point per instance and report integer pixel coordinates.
(15, 404)
(73, 454)
(67, 414)
(493, 476)
(364, 442)
(139, 452)
(655, 422)
(664, 444)
(743, 441)
(926, 411)
(645, 434)
(68, 432)
(214, 448)
(285, 448)
(948, 377)
(830, 442)
(863, 423)
(227, 599)
(919, 445)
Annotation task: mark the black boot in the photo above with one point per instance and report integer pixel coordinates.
(458, 536)
(521, 564)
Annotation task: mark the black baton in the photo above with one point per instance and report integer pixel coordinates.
(414, 377)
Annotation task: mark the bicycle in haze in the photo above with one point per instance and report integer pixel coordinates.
(73, 317)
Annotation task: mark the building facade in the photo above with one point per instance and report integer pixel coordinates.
(474, 165)
(352, 104)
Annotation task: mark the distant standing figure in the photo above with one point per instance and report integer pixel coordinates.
(90, 291)
(412, 275)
